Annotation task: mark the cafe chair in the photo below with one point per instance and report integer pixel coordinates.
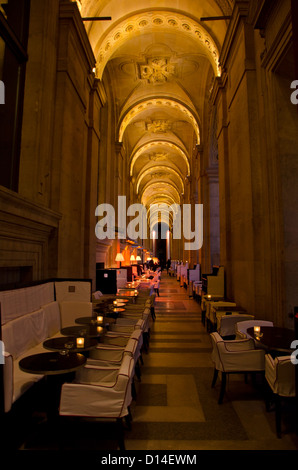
(242, 327)
(227, 323)
(127, 324)
(112, 354)
(280, 376)
(104, 393)
(234, 357)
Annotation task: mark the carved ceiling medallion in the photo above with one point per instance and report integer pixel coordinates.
(160, 126)
(157, 70)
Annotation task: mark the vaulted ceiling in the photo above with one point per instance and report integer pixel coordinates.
(159, 58)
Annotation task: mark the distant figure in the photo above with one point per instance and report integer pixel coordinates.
(156, 282)
(168, 265)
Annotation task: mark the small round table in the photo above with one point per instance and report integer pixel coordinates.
(56, 368)
(52, 363)
(92, 321)
(85, 331)
(68, 343)
(118, 310)
(274, 339)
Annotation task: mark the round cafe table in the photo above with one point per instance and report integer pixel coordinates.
(56, 368)
(275, 339)
(92, 321)
(85, 331)
(52, 363)
(68, 343)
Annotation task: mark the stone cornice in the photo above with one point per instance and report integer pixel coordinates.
(70, 11)
(12, 203)
(241, 10)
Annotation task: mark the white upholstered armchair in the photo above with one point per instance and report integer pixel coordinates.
(100, 393)
(280, 376)
(234, 356)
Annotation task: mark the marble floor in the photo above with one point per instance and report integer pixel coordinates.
(176, 408)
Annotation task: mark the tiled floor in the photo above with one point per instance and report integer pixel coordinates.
(176, 408)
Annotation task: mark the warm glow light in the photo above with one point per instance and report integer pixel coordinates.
(132, 258)
(99, 318)
(80, 342)
(257, 330)
(119, 257)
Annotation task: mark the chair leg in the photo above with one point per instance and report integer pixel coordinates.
(138, 371)
(120, 434)
(153, 313)
(278, 416)
(215, 375)
(128, 419)
(133, 390)
(223, 387)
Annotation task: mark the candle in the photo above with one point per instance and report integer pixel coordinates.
(99, 329)
(115, 303)
(257, 330)
(208, 296)
(80, 342)
(99, 319)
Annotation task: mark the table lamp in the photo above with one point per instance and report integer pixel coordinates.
(119, 257)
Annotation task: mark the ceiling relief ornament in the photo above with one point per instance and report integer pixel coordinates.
(159, 127)
(157, 175)
(157, 70)
(159, 157)
(155, 22)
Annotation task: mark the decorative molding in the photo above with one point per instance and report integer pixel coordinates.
(157, 70)
(175, 105)
(164, 143)
(151, 22)
(22, 208)
(160, 126)
(158, 172)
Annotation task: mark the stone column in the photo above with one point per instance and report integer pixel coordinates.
(70, 140)
(96, 102)
(214, 235)
(39, 107)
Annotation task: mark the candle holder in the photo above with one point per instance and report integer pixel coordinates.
(257, 332)
(80, 342)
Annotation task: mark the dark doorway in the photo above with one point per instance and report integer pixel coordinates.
(161, 243)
